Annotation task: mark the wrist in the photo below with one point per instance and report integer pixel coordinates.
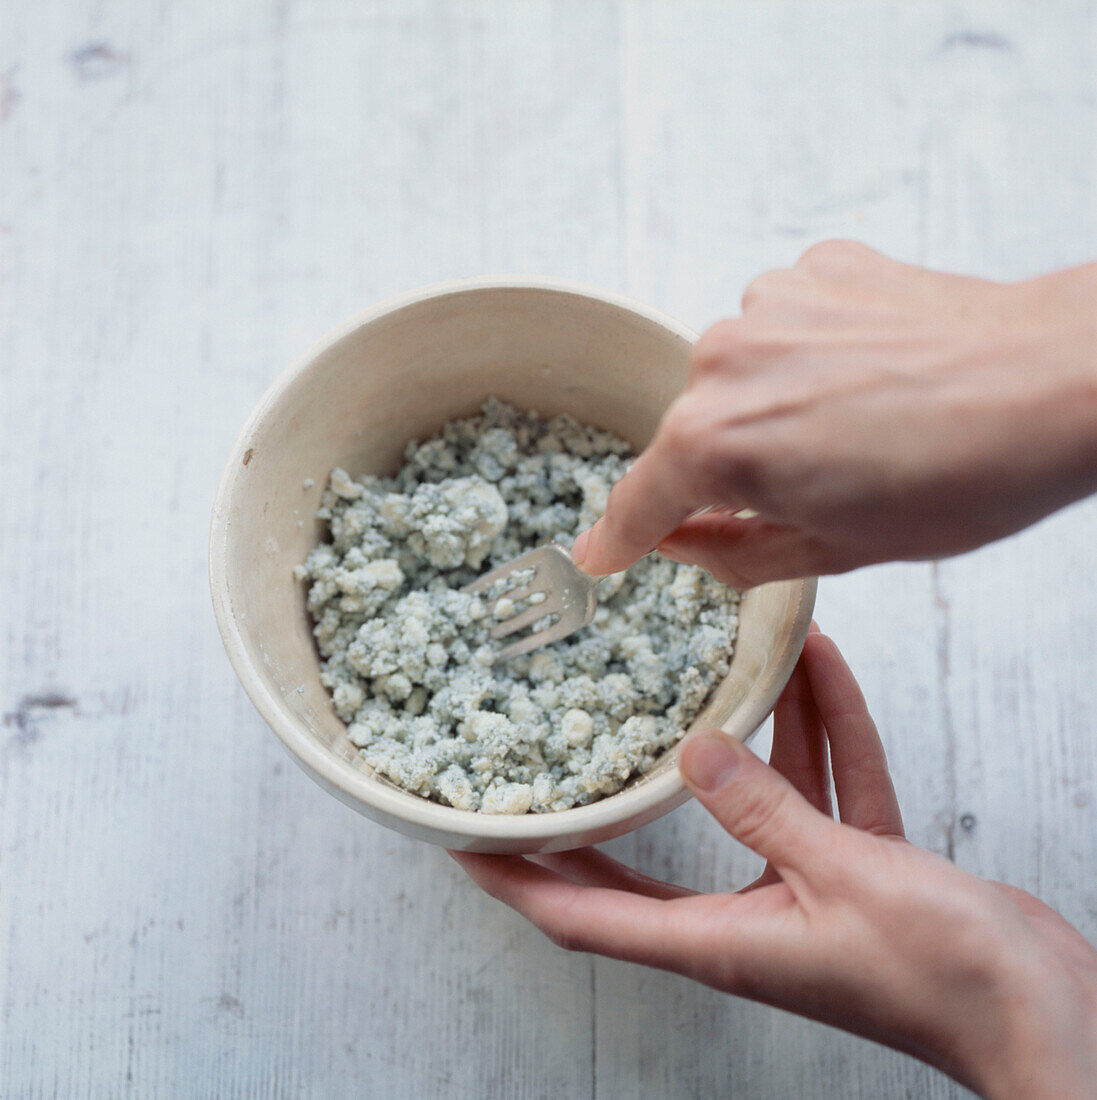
(1050, 335)
(1044, 1039)
(1060, 313)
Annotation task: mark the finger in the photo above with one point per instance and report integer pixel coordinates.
(786, 297)
(590, 867)
(741, 943)
(841, 259)
(649, 502)
(862, 782)
(770, 286)
(615, 923)
(799, 750)
(758, 807)
(744, 552)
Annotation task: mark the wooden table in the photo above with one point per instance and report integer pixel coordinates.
(189, 195)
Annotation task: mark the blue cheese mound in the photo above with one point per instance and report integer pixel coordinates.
(408, 657)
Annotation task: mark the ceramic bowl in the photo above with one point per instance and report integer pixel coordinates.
(398, 372)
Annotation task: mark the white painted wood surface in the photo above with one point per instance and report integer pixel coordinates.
(189, 194)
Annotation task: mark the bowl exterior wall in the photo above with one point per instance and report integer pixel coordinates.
(399, 373)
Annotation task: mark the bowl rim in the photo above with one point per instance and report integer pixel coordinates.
(359, 788)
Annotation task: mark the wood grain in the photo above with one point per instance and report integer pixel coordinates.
(189, 194)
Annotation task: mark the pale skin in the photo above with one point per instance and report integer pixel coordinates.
(865, 410)
(860, 410)
(848, 923)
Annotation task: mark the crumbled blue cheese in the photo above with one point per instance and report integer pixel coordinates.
(408, 657)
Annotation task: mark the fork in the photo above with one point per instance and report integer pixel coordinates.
(568, 593)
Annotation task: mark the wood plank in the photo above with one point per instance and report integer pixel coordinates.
(190, 195)
(204, 920)
(945, 119)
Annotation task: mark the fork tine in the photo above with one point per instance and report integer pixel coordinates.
(544, 637)
(482, 584)
(517, 595)
(523, 618)
(516, 649)
(564, 592)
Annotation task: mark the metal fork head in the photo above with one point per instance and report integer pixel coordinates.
(568, 596)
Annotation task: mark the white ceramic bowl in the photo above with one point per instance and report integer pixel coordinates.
(398, 372)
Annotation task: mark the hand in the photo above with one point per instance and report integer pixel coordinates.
(848, 923)
(867, 411)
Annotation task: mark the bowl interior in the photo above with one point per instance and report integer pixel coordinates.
(402, 374)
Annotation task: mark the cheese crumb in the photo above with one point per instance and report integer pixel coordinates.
(577, 726)
(408, 657)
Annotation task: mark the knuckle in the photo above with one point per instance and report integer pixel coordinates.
(703, 439)
(770, 284)
(680, 428)
(716, 347)
(759, 813)
(625, 525)
(565, 926)
(835, 256)
(867, 769)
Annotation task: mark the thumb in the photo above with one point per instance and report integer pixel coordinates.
(755, 804)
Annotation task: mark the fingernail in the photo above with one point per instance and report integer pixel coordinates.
(579, 550)
(708, 760)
